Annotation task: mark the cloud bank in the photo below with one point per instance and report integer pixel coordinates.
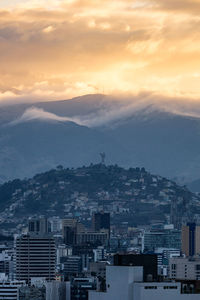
(34, 113)
(111, 111)
(53, 49)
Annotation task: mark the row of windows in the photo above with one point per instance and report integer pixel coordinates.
(154, 287)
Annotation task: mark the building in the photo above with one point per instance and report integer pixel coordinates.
(35, 257)
(70, 229)
(147, 261)
(101, 220)
(69, 235)
(163, 256)
(163, 238)
(99, 253)
(190, 239)
(39, 226)
(183, 268)
(10, 289)
(7, 263)
(127, 283)
(57, 290)
(98, 269)
(80, 288)
(62, 251)
(55, 224)
(72, 265)
(96, 238)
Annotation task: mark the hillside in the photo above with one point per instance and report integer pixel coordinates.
(131, 195)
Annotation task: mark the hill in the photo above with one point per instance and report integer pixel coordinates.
(131, 195)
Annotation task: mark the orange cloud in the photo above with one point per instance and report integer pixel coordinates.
(56, 49)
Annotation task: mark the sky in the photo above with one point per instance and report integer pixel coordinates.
(58, 49)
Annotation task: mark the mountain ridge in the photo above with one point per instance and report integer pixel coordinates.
(165, 143)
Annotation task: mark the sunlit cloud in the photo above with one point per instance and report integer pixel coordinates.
(53, 49)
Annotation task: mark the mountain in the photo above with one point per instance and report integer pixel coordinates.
(131, 195)
(37, 137)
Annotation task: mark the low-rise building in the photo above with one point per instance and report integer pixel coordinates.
(126, 282)
(183, 268)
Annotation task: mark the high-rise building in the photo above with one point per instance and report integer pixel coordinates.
(101, 220)
(190, 239)
(39, 226)
(35, 257)
(69, 235)
(70, 228)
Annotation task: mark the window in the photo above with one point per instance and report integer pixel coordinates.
(198, 267)
(173, 266)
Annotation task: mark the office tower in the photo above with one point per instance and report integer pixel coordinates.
(191, 239)
(147, 261)
(101, 220)
(70, 229)
(35, 257)
(69, 235)
(162, 238)
(39, 226)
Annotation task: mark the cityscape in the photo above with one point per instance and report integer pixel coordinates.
(99, 150)
(94, 247)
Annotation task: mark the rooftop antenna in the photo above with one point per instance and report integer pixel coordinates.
(103, 157)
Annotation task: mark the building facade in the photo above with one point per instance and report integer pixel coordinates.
(35, 257)
(190, 237)
(101, 220)
(183, 268)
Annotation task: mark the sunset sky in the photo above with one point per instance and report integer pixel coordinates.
(57, 49)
